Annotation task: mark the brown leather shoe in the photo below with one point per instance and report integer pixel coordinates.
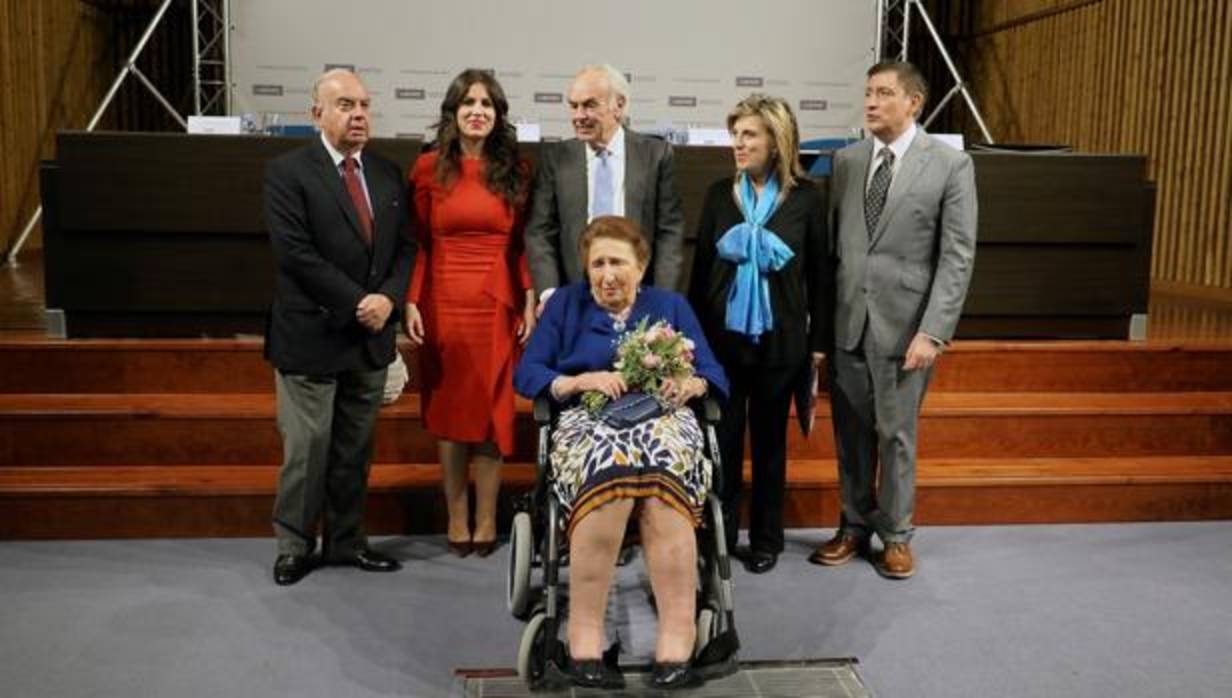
(896, 561)
(838, 550)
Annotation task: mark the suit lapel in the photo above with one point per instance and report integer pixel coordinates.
(332, 180)
(908, 174)
(379, 191)
(635, 168)
(858, 178)
(575, 197)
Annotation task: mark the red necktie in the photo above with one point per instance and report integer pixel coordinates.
(355, 188)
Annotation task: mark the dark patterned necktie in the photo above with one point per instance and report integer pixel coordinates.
(356, 190)
(875, 197)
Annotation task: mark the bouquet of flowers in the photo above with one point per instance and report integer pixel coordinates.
(645, 358)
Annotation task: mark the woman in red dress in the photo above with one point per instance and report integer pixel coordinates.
(470, 303)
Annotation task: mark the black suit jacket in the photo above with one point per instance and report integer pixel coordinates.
(323, 268)
(800, 292)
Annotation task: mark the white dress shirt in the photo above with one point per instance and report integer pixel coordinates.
(899, 146)
(616, 161)
(359, 166)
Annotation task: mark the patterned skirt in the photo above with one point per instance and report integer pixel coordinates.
(594, 463)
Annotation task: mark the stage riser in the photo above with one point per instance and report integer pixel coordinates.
(237, 367)
(1155, 419)
(112, 440)
(422, 511)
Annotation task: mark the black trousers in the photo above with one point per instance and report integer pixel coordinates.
(760, 398)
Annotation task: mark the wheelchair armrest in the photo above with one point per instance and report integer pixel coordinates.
(543, 411)
(707, 409)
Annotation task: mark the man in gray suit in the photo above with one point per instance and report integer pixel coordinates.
(606, 170)
(904, 206)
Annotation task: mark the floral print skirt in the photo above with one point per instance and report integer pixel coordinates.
(594, 463)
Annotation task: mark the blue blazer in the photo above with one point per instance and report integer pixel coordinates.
(575, 335)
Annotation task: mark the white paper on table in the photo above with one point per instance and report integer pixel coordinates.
(215, 124)
(708, 136)
(954, 140)
(529, 133)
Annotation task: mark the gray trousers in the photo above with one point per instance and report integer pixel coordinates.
(876, 407)
(326, 424)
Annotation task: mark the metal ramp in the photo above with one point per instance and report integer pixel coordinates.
(817, 678)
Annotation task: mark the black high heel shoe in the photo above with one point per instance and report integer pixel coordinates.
(670, 676)
(595, 673)
(484, 548)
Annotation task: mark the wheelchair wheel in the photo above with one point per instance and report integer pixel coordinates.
(710, 584)
(707, 629)
(531, 658)
(521, 547)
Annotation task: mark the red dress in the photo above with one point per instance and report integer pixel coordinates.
(470, 282)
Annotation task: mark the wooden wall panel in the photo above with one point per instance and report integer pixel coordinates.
(1117, 76)
(57, 60)
(53, 54)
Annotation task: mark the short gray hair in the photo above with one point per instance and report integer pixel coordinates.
(616, 80)
(326, 77)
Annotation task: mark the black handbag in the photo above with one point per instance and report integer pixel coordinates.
(630, 410)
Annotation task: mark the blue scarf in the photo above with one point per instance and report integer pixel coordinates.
(756, 252)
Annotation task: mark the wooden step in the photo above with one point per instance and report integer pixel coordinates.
(1091, 366)
(150, 501)
(212, 366)
(965, 491)
(185, 429)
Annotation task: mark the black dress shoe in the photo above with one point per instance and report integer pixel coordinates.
(740, 553)
(669, 676)
(369, 561)
(595, 673)
(760, 561)
(289, 569)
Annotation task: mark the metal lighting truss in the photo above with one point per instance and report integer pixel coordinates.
(211, 76)
(895, 19)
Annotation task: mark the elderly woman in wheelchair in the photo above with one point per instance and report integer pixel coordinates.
(626, 460)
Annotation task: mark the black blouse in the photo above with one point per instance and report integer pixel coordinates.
(800, 292)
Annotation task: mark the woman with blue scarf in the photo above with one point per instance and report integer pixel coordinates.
(761, 286)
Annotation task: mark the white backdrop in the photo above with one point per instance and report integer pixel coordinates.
(688, 61)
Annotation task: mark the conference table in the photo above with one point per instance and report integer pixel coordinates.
(161, 234)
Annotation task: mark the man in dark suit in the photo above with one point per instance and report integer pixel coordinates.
(904, 208)
(606, 170)
(337, 218)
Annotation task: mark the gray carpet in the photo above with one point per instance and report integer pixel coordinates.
(1107, 610)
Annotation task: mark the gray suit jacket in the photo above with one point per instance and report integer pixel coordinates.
(912, 274)
(560, 209)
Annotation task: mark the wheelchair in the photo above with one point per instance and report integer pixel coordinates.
(537, 543)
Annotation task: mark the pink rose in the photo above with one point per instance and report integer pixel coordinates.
(651, 361)
(652, 335)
